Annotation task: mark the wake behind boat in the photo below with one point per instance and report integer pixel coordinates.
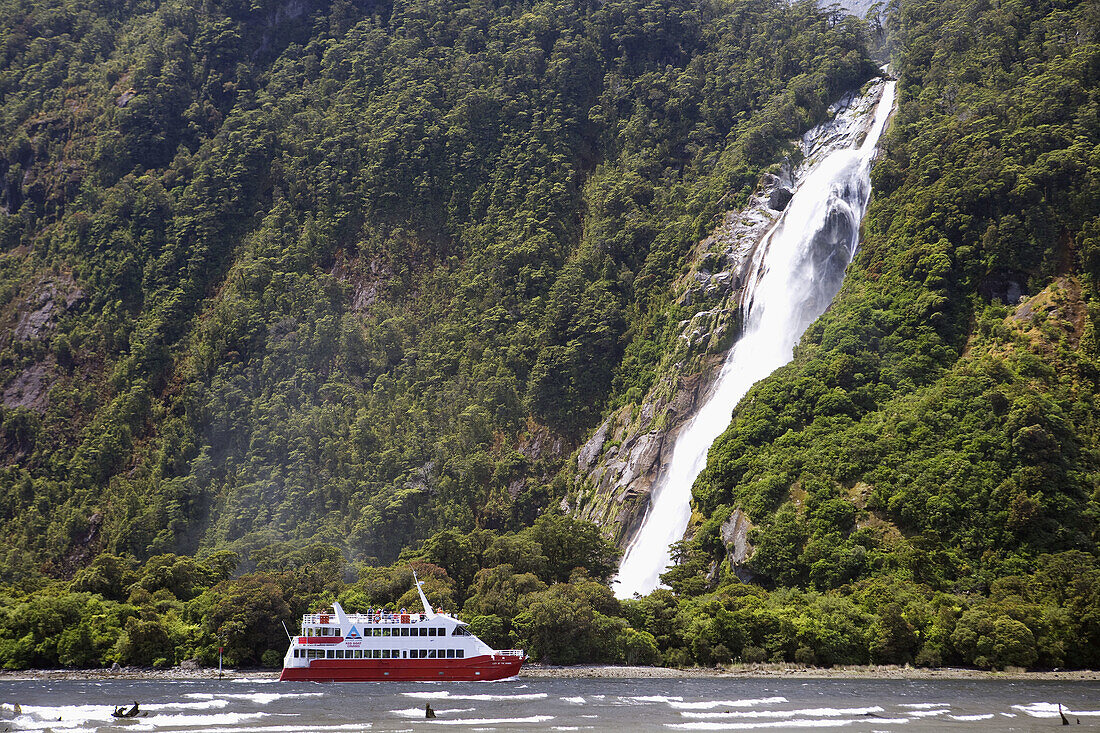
(340, 647)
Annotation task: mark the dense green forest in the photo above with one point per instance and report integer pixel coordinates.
(297, 297)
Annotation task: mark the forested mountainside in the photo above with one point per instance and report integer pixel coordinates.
(294, 291)
(355, 273)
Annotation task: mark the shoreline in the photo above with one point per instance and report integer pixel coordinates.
(540, 671)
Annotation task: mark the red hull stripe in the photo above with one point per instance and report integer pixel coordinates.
(320, 639)
(408, 670)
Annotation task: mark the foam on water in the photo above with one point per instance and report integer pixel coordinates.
(927, 713)
(419, 712)
(192, 721)
(297, 729)
(66, 717)
(924, 705)
(450, 696)
(747, 703)
(204, 705)
(492, 721)
(260, 698)
(1050, 710)
(806, 712)
(796, 723)
(574, 700)
(971, 718)
(653, 698)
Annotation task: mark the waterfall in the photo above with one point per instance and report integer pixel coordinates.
(796, 272)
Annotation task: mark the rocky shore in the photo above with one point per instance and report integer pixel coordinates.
(794, 671)
(539, 671)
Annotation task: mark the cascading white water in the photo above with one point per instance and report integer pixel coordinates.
(796, 272)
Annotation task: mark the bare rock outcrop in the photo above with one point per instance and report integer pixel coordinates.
(40, 310)
(735, 536)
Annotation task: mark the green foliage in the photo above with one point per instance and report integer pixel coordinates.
(353, 274)
(926, 432)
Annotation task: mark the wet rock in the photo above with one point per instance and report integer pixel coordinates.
(780, 197)
(590, 450)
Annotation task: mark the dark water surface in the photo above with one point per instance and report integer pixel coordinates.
(262, 706)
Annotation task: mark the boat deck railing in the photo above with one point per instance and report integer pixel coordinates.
(365, 618)
(510, 652)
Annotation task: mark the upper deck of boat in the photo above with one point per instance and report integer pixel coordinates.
(375, 619)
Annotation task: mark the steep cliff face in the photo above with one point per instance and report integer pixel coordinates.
(618, 467)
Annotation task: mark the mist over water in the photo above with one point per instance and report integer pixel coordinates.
(796, 272)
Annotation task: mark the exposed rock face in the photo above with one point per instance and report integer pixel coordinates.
(29, 388)
(735, 536)
(618, 466)
(51, 298)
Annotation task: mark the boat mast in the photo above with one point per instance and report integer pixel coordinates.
(423, 598)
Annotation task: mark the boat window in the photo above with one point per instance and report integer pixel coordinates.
(450, 654)
(386, 632)
(460, 631)
(339, 653)
(404, 632)
(461, 653)
(331, 653)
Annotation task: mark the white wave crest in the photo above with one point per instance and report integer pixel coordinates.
(747, 703)
(485, 698)
(260, 698)
(797, 723)
(653, 698)
(1050, 710)
(204, 705)
(192, 721)
(419, 712)
(493, 721)
(970, 718)
(804, 713)
(927, 713)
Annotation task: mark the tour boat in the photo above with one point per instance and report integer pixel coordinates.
(366, 647)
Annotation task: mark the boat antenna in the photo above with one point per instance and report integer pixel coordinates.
(286, 630)
(423, 598)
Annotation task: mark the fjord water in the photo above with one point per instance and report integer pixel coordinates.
(85, 706)
(796, 272)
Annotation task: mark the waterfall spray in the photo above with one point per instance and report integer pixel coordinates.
(796, 271)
